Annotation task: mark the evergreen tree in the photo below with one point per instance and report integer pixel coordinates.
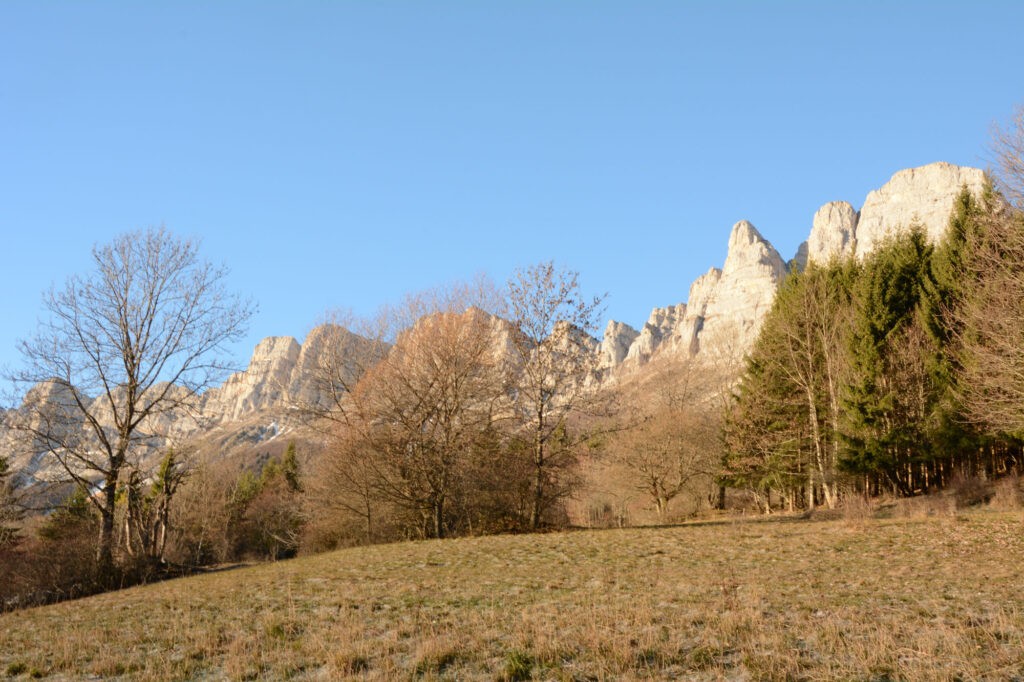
(9, 513)
(890, 392)
(71, 518)
(290, 468)
(783, 431)
(944, 294)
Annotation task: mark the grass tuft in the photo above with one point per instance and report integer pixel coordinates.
(518, 666)
(16, 668)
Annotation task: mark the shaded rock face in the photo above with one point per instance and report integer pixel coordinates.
(801, 257)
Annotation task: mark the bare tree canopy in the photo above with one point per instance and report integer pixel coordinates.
(123, 347)
(417, 438)
(669, 444)
(1008, 146)
(552, 322)
(991, 357)
(344, 347)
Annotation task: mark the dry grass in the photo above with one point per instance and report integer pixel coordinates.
(935, 597)
(1006, 494)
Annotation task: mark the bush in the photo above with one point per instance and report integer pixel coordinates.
(58, 563)
(971, 491)
(1006, 494)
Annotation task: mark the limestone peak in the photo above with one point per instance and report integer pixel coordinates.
(748, 247)
(923, 196)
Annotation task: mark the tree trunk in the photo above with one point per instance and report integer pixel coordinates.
(439, 519)
(810, 488)
(538, 483)
(105, 546)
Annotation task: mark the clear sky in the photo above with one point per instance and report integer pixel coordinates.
(341, 154)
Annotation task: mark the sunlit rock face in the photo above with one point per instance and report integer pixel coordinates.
(686, 337)
(833, 233)
(724, 310)
(615, 344)
(743, 295)
(723, 315)
(263, 384)
(656, 331)
(923, 196)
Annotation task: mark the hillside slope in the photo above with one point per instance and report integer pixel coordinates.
(912, 599)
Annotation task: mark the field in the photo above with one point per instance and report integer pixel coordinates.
(869, 599)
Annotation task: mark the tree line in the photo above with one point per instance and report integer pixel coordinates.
(898, 373)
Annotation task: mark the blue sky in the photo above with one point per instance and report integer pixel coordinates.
(341, 154)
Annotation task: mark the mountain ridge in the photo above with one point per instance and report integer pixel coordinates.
(718, 323)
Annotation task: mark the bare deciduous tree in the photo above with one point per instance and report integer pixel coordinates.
(991, 381)
(342, 349)
(670, 452)
(667, 445)
(1008, 146)
(552, 322)
(128, 344)
(426, 409)
(418, 432)
(338, 353)
(991, 377)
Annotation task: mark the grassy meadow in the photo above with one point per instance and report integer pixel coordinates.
(935, 597)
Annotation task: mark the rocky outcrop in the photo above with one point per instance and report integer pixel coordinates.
(657, 330)
(702, 291)
(331, 358)
(801, 257)
(615, 344)
(718, 323)
(48, 406)
(725, 307)
(833, 233)
(742, 297)
(263, 384)
(723, 314)
(923, 196)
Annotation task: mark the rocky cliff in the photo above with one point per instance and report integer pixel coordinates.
(922, 196)
(263, 384)
(725, 309)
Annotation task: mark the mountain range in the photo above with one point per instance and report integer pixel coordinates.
(717, 323)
